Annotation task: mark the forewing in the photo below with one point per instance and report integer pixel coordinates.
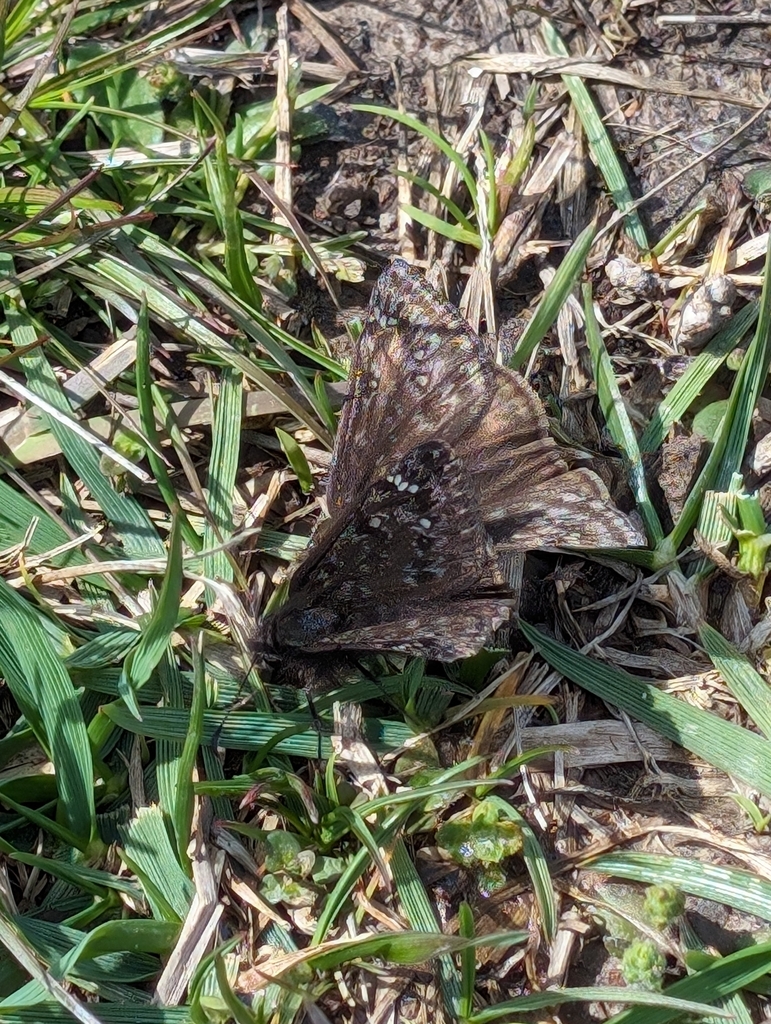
(419, 373)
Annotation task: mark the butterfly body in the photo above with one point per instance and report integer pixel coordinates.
(442, 463)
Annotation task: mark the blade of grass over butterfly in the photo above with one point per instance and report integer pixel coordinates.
(600, 144)
(617, 420)
(41, 687)
(568, 273)
(742, 890)
(734, 750)
(744, 682)
(672, 407)
(727, 453)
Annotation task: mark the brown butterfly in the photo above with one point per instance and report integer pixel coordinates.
(443, 462)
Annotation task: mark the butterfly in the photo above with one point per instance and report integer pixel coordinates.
(442, 464)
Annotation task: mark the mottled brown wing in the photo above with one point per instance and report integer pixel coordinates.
(443, 632)
(419, 373)
(443, 462)
(529, 496)
(415, 542)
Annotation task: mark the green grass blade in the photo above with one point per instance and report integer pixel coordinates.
(617, 420)
(554, 297)
(452, 208)
(296, 459)
(15, 942)
(109, 1013)
(417, 126)
(136, 277)
(227, 422)
(455, 232)
(656, 1007)
(90, 880)
(600, 143)
(421, 915)
(17, 512)
(728, 450)
(702, 368)
(156, 637)
(169, 752)
(742, 890)
(537, 868)
(221, 187)
(130, 520)
(734, 750)
(468, 961)
(248, 730)
(147, 419)
(742, 679)
(117, 936)
(148, 851)
(185, 795)
(112, 61)
(63, 835)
